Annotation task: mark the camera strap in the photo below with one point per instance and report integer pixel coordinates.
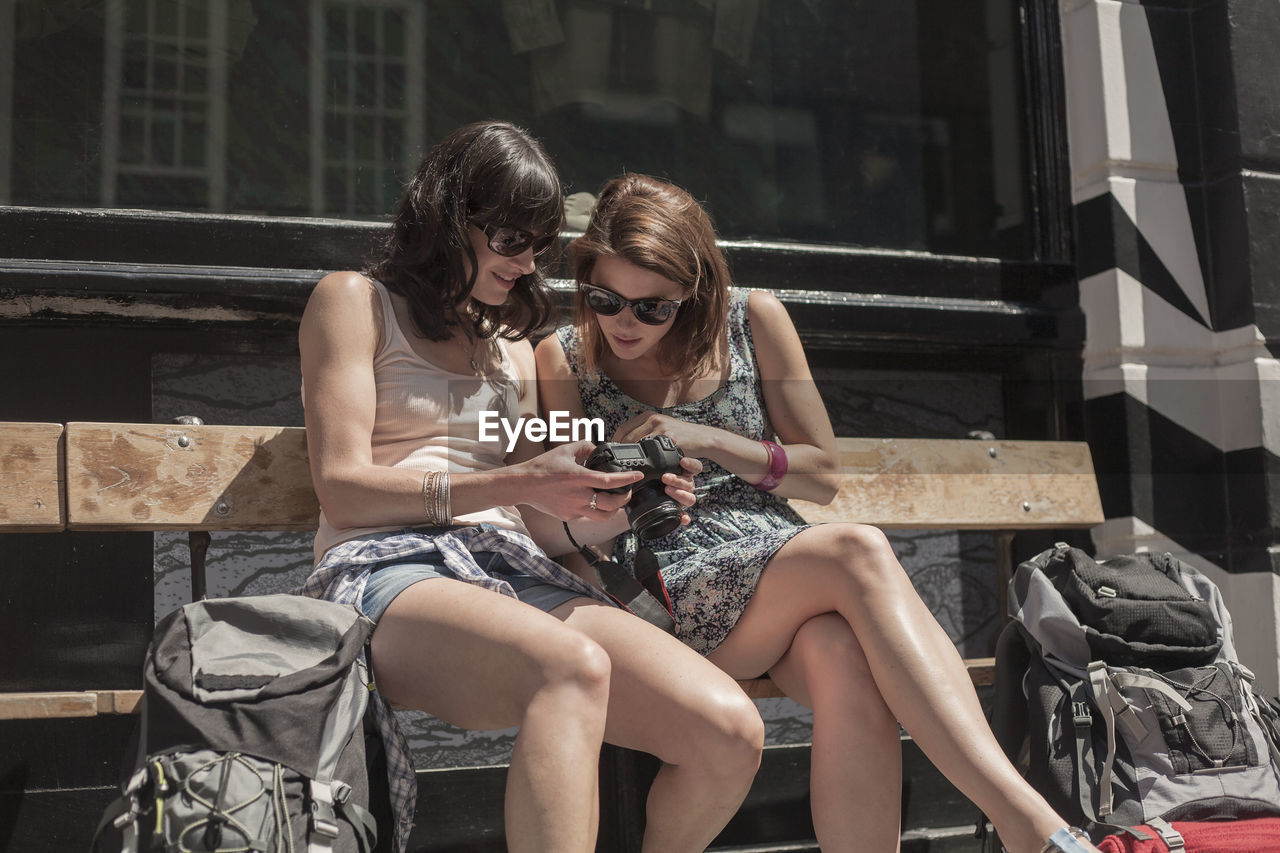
(633, 593)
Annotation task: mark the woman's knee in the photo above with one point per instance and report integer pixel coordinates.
(834, 667)
(572, 659)
(863, 553)
(731, 738)
(861, 540)
(826, 647)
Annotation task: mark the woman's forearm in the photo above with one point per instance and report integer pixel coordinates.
(373, 495)
(811, 474)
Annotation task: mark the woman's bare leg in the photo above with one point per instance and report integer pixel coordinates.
(484, 661)
(669, 701)
(851, 570)
(853, 732)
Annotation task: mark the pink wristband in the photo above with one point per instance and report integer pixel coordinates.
(777, 467)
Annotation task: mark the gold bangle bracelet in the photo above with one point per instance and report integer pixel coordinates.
(444, 514)
(431, 497)
(435, 498)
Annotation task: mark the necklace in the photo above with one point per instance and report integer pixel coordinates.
(469, 347)
(472, 348)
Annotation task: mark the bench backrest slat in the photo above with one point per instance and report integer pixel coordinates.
(161, 477)
(963, 484)
(166, 477)
(31, 478)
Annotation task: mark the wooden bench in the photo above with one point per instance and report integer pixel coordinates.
(202, 479)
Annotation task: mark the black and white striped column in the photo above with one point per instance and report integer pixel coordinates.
(1174, 126)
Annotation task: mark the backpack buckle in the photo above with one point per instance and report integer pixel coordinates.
(324, 820)
(133, 796)
(1080, 715)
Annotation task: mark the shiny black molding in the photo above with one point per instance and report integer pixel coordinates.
(1045, 102)
(80, 268)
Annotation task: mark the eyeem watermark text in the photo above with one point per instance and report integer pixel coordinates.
(558, 426)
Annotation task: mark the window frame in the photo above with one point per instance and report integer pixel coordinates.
(79, 265)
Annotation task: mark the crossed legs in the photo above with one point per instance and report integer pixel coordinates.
(856, 760)
(893, 652)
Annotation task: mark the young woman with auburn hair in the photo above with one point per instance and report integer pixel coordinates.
(662, 345)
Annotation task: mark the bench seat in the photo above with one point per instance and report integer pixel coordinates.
(202, 478)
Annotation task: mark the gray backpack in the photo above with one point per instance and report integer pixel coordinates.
(1120, 697)
(252, 733)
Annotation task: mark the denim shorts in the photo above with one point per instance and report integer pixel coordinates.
(387, 580)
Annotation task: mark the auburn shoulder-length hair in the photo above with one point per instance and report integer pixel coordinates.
(659, 227)
(490, 172)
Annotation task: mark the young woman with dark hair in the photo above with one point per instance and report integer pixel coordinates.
(663, 346)
(420, 526)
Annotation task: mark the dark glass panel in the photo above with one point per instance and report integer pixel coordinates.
(164, 76)
(135, 73)
(193, 137)
(337, 83)
(195, 79)
(366, 88)
(335, 190)
(335, 136)
(366, 28)
(133, 139)
(365, 137)
(166, 18)
(897, 125)
(393, 79)
(164, 139)
(367, 182)
(393, 33)
(196, 22)
(336, 22)
(392, 143)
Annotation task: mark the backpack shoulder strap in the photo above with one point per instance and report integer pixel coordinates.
(123, 814)
(329, 796)
(1009, 706)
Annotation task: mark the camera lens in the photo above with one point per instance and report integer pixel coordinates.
(651, 513)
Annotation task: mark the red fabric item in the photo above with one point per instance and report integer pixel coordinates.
(1255, 835)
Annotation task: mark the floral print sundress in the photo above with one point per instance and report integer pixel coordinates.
(712, 565)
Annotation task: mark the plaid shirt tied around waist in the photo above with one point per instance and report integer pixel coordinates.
(341, 577)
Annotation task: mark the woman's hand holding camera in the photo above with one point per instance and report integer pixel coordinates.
(680, 486)
(689, 437)
(559, 485)
(658, 500)
(693, 439)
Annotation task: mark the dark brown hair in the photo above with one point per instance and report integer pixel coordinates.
(659, 227)
(492, 172)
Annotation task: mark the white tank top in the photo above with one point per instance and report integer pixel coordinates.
(428, 419)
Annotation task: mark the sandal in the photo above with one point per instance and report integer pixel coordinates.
(1067, 840)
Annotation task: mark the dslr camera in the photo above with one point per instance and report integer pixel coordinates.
(650, 511)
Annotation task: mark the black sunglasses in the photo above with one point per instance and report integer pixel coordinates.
(509, 241)
(652, 312)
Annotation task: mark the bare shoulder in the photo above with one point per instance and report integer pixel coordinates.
(345, 288)
(557, 383)
(770, 321)
(551, 358)
(778, 349)
(521, 355)
(343, 306)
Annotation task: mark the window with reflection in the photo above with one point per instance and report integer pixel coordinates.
(857, 122)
